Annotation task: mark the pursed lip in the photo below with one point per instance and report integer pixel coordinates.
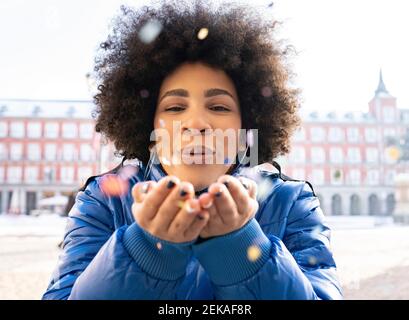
(197, 150)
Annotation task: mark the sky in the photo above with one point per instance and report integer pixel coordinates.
(47, 47)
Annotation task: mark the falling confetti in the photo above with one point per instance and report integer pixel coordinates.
(202, 34)
(144, 93)
(312, 260)
(161, 123)
(150, 31)
(165, 161)
(266, 92)
(270, 5)
(227, 161)
(159, 246)
(180, 204)
(114, 185)
(253, 253)
(250, 138)
(393, 153)
(127, 172)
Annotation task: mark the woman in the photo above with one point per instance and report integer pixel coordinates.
(202, 229)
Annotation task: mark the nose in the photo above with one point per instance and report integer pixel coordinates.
(196, 124)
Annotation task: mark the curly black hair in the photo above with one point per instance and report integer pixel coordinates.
(130, 71)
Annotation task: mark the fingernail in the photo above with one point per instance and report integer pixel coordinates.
(218, 194)
(226, 183)
(183, 193)
(170, 184)
(189, 209)
(207, 206)
(245, 185)
(144, 188)
(200, 217)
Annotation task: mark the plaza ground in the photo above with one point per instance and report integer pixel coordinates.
(373, 261)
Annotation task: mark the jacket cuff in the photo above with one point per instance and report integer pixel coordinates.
(236, 256)
(159, 258)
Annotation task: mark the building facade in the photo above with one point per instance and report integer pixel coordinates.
(47, 148)
(352, 158)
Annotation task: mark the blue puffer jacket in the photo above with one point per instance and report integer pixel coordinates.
(106, 255)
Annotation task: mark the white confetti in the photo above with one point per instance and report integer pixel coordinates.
(202, 34)
(150, 31)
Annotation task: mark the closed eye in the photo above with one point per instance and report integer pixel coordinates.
(175, 108)
(219, 108)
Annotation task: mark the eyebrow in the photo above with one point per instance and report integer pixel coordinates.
(208, 93)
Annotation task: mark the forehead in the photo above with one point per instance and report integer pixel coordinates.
(197, 76)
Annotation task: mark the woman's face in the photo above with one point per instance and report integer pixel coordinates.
(196, 101)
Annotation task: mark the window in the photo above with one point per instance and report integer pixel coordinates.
(34, 130)
(354, 155)
(299, 135)
(353, 134)
(31, 174)
(17, 130)
(67, 174)
(3, 129)
(390, 177)
(373, 177)
(1, 175)
(69, 130)
(3, 152)
(16, 151)
(372, 155)
(298, 174)
(14, 174)
(68, 152)
(317, 134)
(34, 152)
(84, 173)
(51, 130)
(297, 155)
(317, 155)
(371, 135)
(389, 132)
(50, 152)
(336, 155)
(388, 114)
(318, 177)
(86, 152)
(354, 177)
(86, 130)
(49, 174)
(335, 134)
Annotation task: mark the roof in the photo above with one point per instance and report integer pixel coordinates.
(25, 108)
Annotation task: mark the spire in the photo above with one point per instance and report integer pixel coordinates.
(381, 86)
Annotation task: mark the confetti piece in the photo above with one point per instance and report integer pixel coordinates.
(150, 31)
(253, 253)
(202, 34)
(393, 153)
(127, 172)
(312, 260)
(159, 246)
(165, 161)
(266, 92)
(114, 186)
(161, 123)
(180, 204)
(144, 93)
(250, 138)
(227, 161)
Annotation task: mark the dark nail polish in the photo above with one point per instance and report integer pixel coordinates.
(245, 185)
(226, 183)
(170, 184)
(200, 217)
(183, 193)
(218, 194)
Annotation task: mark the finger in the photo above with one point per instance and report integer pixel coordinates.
(224, 203)
(172, 205)
(239, 193)
(250, 185)
(140, 190)
(184, 217)
(156, 196)
(205, 200)
(198, 224)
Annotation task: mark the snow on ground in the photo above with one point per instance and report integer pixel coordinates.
(373, 261)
